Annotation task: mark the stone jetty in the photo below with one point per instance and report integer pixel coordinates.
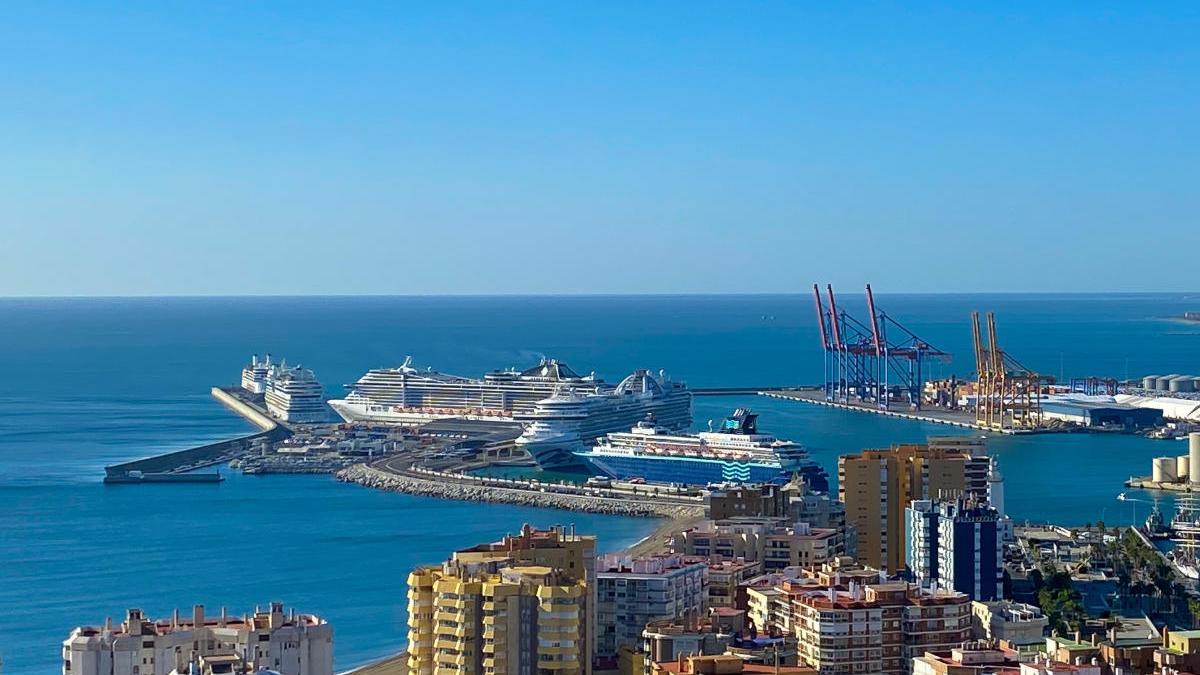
(426, 487)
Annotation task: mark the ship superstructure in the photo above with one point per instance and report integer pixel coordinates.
(404, 394)
(293, 394)
(254, 375)
(571, 420)
(734, 452)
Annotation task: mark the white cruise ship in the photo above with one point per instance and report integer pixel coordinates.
(571, 420)
(406, 395)
(254, 375)
(293, 394)
(736, 452)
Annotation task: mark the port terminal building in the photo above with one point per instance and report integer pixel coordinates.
(1101, 413)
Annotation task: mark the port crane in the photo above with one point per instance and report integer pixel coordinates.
(1008, 395)
(876, 362)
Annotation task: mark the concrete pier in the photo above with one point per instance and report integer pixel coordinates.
(172, 466)
(952, 418)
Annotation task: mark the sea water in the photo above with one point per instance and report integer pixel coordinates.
(89, 382)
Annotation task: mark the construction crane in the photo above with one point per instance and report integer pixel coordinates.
(1008, 395)
(877, 362)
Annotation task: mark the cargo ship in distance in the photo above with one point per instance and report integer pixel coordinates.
(735, 452)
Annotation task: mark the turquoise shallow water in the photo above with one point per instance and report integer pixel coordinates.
(89, 382)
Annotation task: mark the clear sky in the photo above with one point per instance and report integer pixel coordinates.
(352, 147)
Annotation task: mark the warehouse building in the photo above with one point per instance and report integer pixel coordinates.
(1101, 414)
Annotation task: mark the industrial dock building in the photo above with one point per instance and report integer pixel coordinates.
(1106, 414)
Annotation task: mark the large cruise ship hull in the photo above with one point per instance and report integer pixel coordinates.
(359, 412)
(697, 470)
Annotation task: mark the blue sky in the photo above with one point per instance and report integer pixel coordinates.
(278, 148)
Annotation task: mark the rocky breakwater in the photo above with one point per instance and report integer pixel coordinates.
(466, 491)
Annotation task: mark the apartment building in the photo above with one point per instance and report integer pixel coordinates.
(521, 606)
(878, 485)
(769, 540)
(284, 642)
(877, 628)
(633, 592)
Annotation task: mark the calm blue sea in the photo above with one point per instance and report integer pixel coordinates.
(88, 382)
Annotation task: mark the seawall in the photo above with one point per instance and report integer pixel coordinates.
(413, 485)
(204, 455)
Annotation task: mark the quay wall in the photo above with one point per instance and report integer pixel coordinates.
(427, 487)
(212, 453)
(916, 417)
(1147, 483)
(738, 391)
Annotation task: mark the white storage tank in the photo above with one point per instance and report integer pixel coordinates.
(1163, 383)
(1163, 470)
(1194, 457)
(1149, 381)
(1182, 467)
(1183, 384)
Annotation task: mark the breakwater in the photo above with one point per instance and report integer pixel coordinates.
(495, 494)
(159, 468)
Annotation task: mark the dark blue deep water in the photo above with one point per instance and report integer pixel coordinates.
(85, 383)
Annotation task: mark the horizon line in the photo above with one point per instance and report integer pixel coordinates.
(198, 296)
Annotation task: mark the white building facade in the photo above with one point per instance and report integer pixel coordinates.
(289, 644)
(633, 592)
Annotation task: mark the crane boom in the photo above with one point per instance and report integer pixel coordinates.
(981, 365)
(833, 320)
(994, 346)
(821, 317)
(875, 336)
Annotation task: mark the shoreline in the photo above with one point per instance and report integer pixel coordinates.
(673, 519)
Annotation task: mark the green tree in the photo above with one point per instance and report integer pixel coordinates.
(1193, 606)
